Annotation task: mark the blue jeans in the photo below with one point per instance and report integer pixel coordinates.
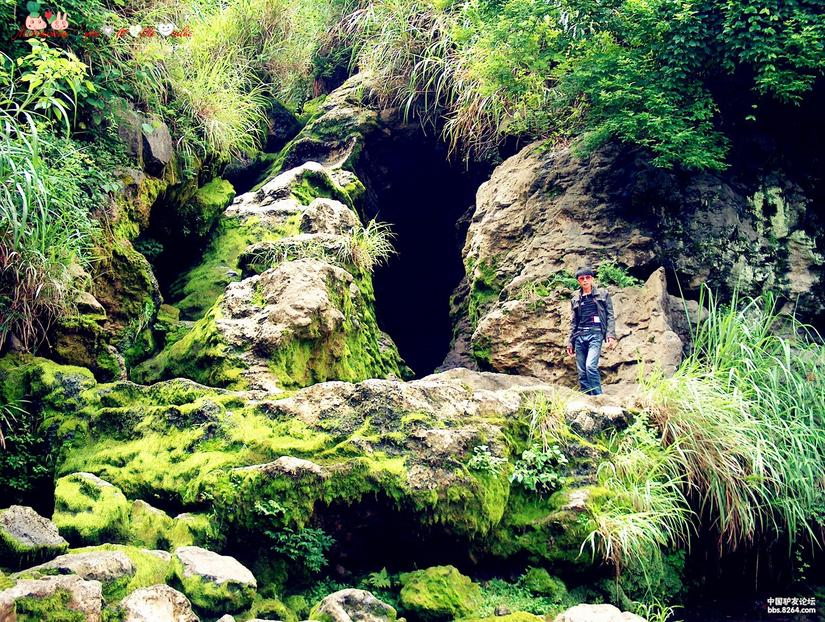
(588, 346)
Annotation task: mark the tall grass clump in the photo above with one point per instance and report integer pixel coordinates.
(41, 236)
(644, 509)
(744, 416)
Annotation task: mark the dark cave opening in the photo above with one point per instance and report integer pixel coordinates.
(414, 187)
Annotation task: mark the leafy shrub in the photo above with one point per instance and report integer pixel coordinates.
(515, 597)
(26, 468)
(307, 546)
(539, 470)
(484, 460)
(611, 274)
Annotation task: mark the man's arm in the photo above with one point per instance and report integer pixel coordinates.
(573, 325)
(611, 318)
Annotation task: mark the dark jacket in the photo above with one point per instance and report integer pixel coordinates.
(604, 306)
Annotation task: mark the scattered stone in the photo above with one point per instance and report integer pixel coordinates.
(597, 613)
(60, 593)
(502, 610)
(214, 582)
(159, 603)
(25, 535)
(352, 605)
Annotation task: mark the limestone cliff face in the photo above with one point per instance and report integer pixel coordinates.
(544, 213)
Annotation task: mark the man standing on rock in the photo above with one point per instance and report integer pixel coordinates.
(592, 322)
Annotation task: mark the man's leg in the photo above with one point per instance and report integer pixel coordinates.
(581, 345)
(594, 380)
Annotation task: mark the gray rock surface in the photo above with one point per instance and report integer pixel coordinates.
(597, 613)
(543, 213)
(158, 603)
(103, 566)
(24, 533)
(353, 605)
(208, 578)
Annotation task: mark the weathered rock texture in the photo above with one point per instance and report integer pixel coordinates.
(545, 213)
(405, 446)
(159, 602)
(24, 534)
(303, 314)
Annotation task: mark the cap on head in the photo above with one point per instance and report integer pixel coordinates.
(585, 271)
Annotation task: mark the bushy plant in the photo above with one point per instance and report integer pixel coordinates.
(744, 417)
(639, 72)
(368, 247)
(484, 461)
(612, 274)
(539, 470)
(43, 233)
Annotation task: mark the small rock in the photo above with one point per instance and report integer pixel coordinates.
(502, 610)
(214, 582)
(83, 596)
(26, 534)
(159, 603)
(352, 605)
(226, 618)
(597, 613)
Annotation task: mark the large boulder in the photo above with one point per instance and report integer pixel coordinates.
(48, 596)
(158, 603)
(352, 605)
(90, 510)
(597, 613)
(214, 582)
(439, 593)
(544, 213)
(304, 314)
(102, 565)
(25, 535)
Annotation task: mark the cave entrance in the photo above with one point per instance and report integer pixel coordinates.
(414, 188)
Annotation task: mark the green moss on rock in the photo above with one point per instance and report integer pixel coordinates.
(197, 291)
(539, 581)
(89, 510)
(439, 593)
(201, 355)
(151, 568)
(196, 218)
(54, 608)
(211, 596)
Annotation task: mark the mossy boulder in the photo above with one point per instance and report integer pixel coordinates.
(152, 528)
(146, 568)
(214, 583)
(271, 609)
(439, 593)
(52, 599)
(25, 536)
(541, 582)
(267, 214)
(90, 510)
(190, 223)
